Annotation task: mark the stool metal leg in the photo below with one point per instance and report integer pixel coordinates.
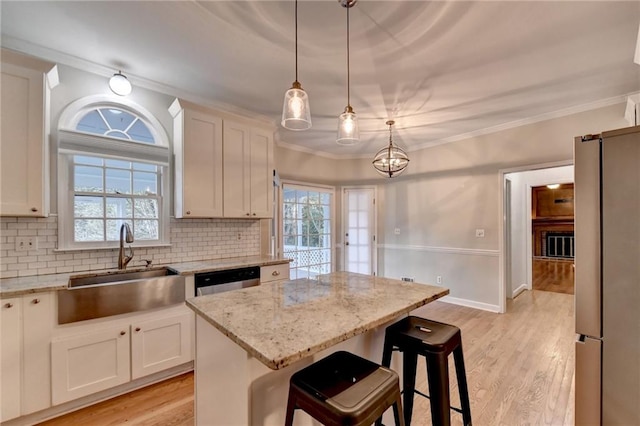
(398, 415)
(409, 364)
(461, 374)
(291, 407)
(386, 353)
(438, 378)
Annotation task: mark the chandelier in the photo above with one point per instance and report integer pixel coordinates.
(391, 160)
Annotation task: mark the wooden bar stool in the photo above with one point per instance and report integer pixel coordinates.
(344, 389)
(434, 340)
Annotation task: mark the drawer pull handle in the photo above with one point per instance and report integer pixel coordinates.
(8, 305)
(188, 211)
(275, 273)
(137, 328)
(122, 333)
(35, 301)
(33, 209)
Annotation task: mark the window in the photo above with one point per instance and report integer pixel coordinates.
(113, 169)
(307, 224)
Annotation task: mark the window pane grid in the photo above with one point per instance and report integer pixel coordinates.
(109, 193)
(307, 230)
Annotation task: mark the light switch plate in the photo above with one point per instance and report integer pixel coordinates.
(480, 233)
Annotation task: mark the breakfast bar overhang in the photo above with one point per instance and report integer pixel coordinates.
(249, 342)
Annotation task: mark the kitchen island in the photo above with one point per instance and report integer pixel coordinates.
(249, 342)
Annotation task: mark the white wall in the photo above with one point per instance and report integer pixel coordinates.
(521, 184)
(447, 193)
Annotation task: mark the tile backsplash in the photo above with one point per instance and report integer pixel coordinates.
(190, 239)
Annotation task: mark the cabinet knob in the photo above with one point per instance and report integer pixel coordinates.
(35, 301)
(248, 214)
(254, 214)
(188, 211)
(137, 328)
(33, 209)
(8, 305)
(275, 273)
(122, 333)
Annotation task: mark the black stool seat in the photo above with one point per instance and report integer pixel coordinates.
(434, 340)
(344, 389)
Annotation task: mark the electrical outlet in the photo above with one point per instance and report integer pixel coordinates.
(239, 236)
(439, 279)
(396, 231)
(26, 243)
(409, 280)
(480, 233)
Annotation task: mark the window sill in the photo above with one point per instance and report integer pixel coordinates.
(96, 248)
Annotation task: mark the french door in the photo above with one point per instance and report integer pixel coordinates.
(359, 224)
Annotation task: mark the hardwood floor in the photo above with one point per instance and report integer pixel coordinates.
(553, 275)
(520, 368)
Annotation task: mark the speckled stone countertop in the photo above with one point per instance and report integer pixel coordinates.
(284, 322)
(12, 287)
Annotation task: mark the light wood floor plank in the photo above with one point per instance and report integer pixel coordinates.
(520, 371)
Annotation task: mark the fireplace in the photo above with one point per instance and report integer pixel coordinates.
(558, 245)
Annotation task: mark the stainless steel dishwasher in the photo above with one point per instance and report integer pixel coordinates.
(227, 280)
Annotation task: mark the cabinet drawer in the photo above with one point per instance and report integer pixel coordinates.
(274, 273)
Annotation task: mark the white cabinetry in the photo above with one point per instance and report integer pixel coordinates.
(82, 365)
(248, 171)
(25, 369)
(96, 358)
(274, 273)
(224, 167)
(159, 344)
(197, 138)
(24, 134)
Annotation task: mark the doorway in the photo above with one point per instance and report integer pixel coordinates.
(516, 229)
(552, 224)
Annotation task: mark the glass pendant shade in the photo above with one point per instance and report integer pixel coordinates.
(391, 160)
(296, 114)
(348, 132)
(119, 84)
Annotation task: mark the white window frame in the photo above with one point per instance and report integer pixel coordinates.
(71, 142)
(310, 187)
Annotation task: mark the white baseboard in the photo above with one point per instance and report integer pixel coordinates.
(519, 290)
(471, 304)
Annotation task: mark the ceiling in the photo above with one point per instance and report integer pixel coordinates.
(441, 69)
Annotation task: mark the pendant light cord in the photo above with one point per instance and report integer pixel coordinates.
(296, 9)
(348, 61)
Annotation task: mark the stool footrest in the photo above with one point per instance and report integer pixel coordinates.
(459, 410)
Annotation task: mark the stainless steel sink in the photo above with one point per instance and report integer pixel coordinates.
(98, 296)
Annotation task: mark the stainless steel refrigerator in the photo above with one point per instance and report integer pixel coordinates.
(607, 277)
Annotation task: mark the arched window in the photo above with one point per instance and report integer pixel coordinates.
(113, 169)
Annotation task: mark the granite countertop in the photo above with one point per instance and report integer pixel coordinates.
(12, 287)
(287, 321)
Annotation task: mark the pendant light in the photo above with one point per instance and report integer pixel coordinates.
(119, 84)
(296, 114)
(348, 133)
(391, 160)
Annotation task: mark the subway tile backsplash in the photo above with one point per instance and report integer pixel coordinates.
(190, 239)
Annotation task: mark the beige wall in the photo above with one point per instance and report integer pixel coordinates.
(447, 193)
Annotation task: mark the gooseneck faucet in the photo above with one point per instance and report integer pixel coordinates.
(122, 259)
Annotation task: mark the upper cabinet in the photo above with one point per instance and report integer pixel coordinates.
(24, 135)
(223, 167)
(248, 171)
(197, 141)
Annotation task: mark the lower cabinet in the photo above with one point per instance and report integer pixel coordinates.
(25, 363)
(274, 273)
(101, 359)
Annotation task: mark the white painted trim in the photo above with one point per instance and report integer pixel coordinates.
(471, 304)
(519, 290)
(447, 250)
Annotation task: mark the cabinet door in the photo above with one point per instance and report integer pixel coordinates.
(85, 364)
(22, 144)
(159, 344)
(261, 174)
(37, 327)
(237, 175)
(199, 174)
(10, 358)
